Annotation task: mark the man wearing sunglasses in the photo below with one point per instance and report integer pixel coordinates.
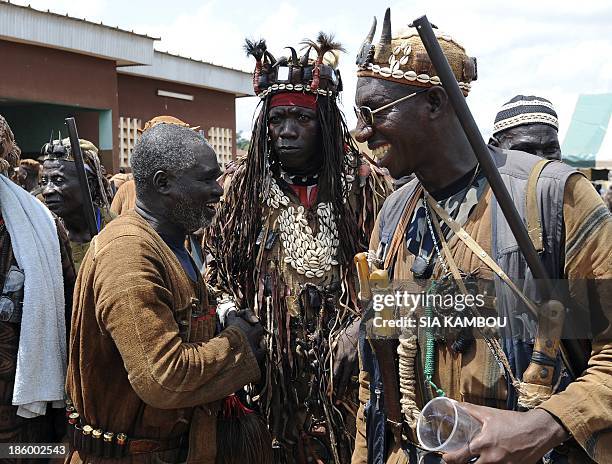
(442, 229)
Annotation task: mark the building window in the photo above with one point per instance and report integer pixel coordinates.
(221, 140)
(128, 136)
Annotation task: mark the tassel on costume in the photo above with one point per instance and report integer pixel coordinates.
(242, 437)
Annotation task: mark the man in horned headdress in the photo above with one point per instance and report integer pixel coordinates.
(296, 211)
(36, 283)
(64, 197)
(443, 231)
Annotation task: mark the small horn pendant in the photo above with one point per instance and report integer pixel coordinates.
(256, 77)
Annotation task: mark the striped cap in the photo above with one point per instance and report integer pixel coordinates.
(525, 110)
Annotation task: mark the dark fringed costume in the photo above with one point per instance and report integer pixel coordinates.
(284, 246)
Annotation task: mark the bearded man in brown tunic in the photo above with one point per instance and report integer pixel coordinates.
(148, 366)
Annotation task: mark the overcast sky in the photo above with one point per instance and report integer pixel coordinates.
(551, 48)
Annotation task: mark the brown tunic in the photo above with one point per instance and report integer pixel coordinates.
(132, 369)
(585, 407)
(80, 249)
(125, 198)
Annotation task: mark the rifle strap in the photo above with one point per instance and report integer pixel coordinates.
(534, 225)
(479, 252)
(486, 259)
(400, 231)
(492, 342)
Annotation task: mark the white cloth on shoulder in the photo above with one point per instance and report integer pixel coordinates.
(42, 354)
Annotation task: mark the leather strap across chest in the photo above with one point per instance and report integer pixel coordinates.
(400, 231)
(479, 252)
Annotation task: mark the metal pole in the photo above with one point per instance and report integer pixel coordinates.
(75, 147)
(481, 151)
(571, 349)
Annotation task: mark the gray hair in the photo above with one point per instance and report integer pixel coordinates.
(163, 147)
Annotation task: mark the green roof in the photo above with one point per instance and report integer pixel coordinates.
(588, 142)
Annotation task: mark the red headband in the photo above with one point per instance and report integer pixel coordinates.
(304, 100)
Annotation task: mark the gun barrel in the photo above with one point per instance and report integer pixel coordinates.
(570, 348)
(482, 152)
(77, 154)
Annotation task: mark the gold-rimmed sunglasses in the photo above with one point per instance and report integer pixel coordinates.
(366, 114)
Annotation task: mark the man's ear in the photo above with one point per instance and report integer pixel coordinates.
(160, 182)
(494, 142)
(437, 99)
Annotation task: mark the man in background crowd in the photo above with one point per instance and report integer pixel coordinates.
(27, 174)
(529, 124)
(63, 195)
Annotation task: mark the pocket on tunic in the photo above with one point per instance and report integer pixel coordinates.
(203, 436)
(169, 422)
(183, 319)
(481, 379)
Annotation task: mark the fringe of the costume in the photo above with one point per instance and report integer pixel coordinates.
(242, 437)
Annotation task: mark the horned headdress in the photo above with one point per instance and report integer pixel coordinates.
(317, 76)
(403, 58)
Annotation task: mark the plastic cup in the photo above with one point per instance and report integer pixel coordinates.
(444, 426)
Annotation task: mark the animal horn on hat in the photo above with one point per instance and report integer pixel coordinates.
(385, 36)
(294, 56)
(370, 37)
(270, 57)
(366, 46)
(305, 56)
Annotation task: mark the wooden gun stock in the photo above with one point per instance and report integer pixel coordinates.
(385, 350)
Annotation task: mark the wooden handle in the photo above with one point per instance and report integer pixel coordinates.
(550, 325)
(363, 273)
(379, 279)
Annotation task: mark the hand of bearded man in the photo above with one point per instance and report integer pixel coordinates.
(509, 437)
(346, 359)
